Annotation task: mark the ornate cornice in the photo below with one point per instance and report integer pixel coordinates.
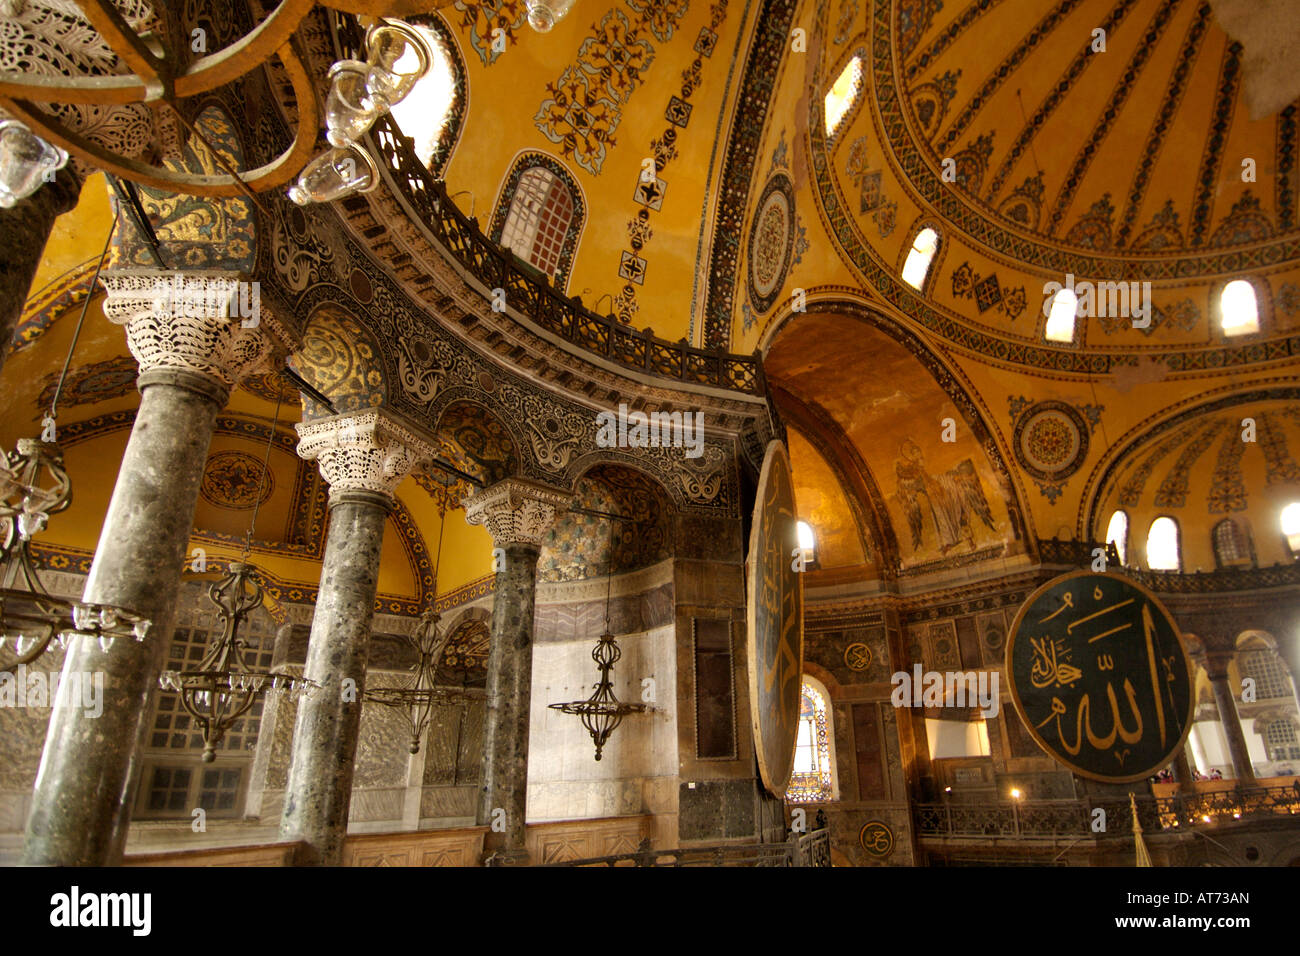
(516, 511)
(371, 451)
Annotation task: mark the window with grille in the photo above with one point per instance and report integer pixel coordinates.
(812, 779)
(1269, 674)
(539, 218)
(1230, 544)
(1280, 741)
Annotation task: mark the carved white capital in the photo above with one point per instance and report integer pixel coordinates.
(365, 451)
(207, 323)
(515, 511)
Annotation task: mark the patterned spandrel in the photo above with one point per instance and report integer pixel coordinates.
(811, 780)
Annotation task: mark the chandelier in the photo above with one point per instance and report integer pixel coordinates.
(602, 712)
(416, 703)
(223, 687)
(397, 57)
(35, 143)
(33, 486)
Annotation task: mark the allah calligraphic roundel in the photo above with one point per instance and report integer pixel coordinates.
(1100, 676)
(775, 617)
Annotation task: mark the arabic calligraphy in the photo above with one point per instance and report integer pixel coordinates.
(877, 839)
(1100, 676)
(775, 623)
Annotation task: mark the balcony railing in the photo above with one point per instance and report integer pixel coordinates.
(1079, 554)
(806, 849)
(1051, 819)
(527, 293)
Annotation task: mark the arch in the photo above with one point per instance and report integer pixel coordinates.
(474, 438)
(1232, 545)
(921, 256)
(342, 359)
(973, 419)
(814, 779)
(541, 179)
(578, 545)
(464, 657)
(1104, 475)
(1164, 538)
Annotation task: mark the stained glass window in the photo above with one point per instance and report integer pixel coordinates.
(812, 779)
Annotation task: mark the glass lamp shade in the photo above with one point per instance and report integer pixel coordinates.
(544, 14)
(335, 173)
(398, 57)
(350, 108)
(26, 161)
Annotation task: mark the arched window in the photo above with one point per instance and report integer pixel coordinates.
(1268, 672)
(1231, 548)
(539, 215)
(1239, 313)
(917, 265)
(843, 94)
(1162, 545)
(431, 113)
(807, 541)
(1291, 525)
(1060, 320)
(1117, 534)
(1280, 740)
(814, 775)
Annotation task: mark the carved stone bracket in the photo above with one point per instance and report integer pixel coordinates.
(368, 451)
(182, 321)
(517, 511)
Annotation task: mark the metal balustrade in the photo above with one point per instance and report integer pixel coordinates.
(1052, 819)
(529, 294)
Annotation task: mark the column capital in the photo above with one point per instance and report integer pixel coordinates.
(517, 511)
(362, 451)
(209, 324)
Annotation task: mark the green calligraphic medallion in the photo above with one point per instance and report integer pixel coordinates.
(775, 618)
(1100, 676)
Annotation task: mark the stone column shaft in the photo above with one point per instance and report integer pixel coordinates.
(1217, 668)
(363, 458)
(517, 514)
(89, 772)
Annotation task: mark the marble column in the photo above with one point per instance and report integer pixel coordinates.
(363, 457)
(89, 771)
(1216, 666)
(517, 514)
(24, 230)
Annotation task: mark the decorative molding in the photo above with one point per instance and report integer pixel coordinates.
(370, 451)
(516, 511)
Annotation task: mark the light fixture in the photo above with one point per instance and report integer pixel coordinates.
(33, 486)
(416, 703)
(544, 14)
(397, 57)
(223, 687)
(26, 161)
(602, 712)
(1015, 793)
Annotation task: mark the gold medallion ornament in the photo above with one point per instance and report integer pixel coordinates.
(877, 839)
(857, 656)
(775, 619)
(1100, 676)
